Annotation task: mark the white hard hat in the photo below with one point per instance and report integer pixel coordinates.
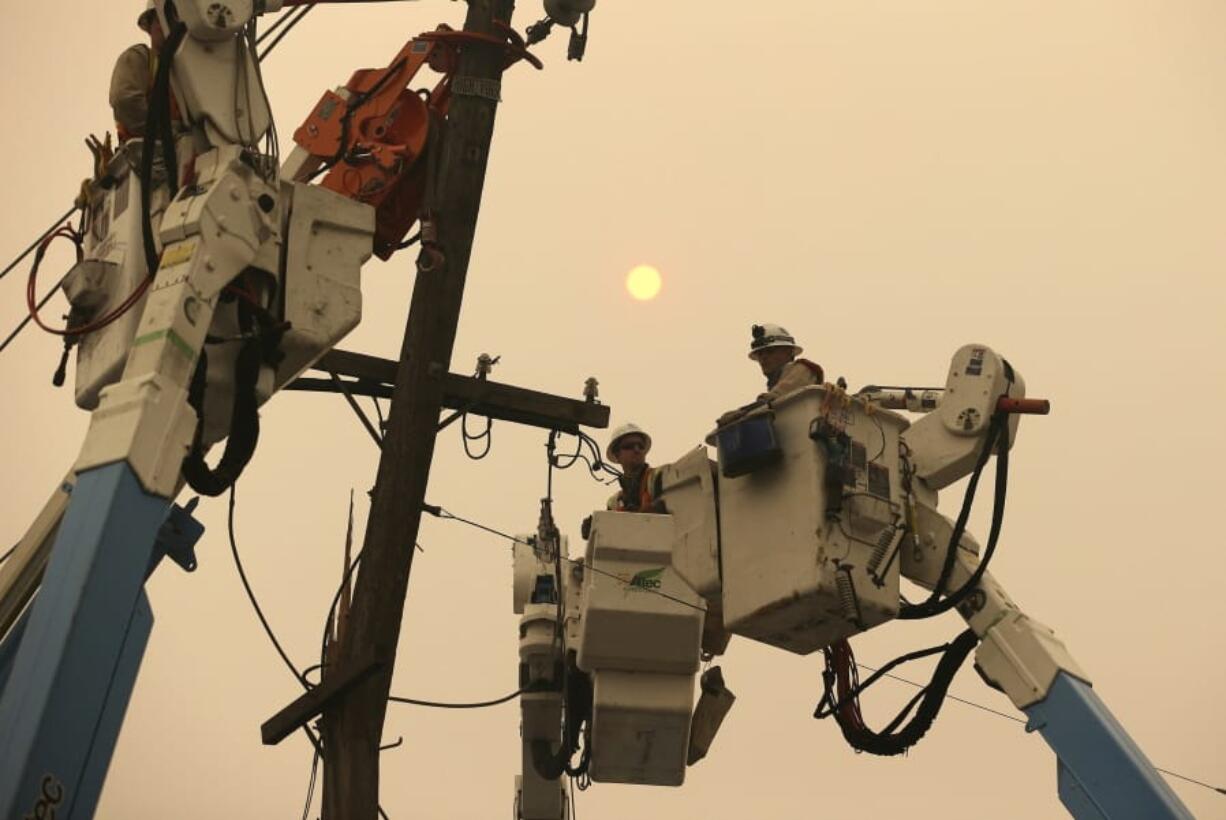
(148, 15)
(767, 336)
(619, 434)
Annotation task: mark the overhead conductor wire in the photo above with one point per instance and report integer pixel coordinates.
(1016, 719)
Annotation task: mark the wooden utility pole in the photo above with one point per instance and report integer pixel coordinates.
(353, 727)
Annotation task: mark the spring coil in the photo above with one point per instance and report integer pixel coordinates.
(884, 541)
(847, 596)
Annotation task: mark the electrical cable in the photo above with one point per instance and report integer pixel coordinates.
(66, 232)
(9, 554)
(440, 512)
(306, 809)
(595, 463)
(255, 604)
(1016, 719)
(487, 434)
(301, 678)
(394, 698)
(997, 434)
(303, 12)
(34, 245)
(439, 705)
(351, 107)
(840, 684)
(315, 742)
(28, 318)
(276, 24)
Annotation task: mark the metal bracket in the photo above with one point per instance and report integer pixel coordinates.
(484, 88)
(177, 538)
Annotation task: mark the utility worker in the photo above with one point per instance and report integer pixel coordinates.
(639, 481)
(776, 352)
(132, 79)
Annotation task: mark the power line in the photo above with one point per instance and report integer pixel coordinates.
(438, 705)
(1016, 719)
(288, 28)
(306, 809)
(255, 604)
(440, 512)
(29, 316)
(34, 245)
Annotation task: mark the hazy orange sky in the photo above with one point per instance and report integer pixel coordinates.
(887, 180)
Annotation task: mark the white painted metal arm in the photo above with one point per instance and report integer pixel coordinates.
(1016, 653)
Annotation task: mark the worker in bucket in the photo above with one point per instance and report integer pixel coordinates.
(639, 481)
(132, 79)
(776, 352)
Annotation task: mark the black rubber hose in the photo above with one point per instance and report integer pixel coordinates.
(888, 743)
(934, 605)
(158, 119)
(244, 419)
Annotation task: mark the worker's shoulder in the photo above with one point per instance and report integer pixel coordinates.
(133, 53)
(813, 368)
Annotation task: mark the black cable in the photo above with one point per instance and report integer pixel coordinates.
(595, 463)
(487, 434)
(950, 696)
(311, 737)
(1016, 719)
(845, 710)
(408, 243)
(9, 554)
(303, 12)
(28, 318)
(255, 604)
(899, 661)
(306, 809)
(244, 433)
(34, 245)
(438, 705)
(276, 24)
(158, 119)
(351, 107)
(934, 605)
(439, 512)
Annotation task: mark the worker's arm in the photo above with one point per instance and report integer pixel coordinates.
(130, 90)
(795, 375)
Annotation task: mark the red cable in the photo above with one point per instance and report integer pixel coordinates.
(843, 662)
(66, 232)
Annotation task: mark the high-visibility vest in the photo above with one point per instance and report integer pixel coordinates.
(646, 499)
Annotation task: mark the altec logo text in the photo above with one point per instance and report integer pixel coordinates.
(647, 579)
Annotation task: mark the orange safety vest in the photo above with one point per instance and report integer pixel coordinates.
(646, 499)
